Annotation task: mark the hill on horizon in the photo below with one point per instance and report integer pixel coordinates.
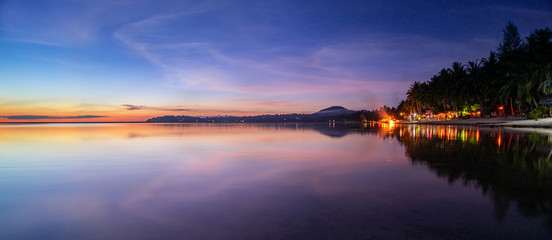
(334, 110)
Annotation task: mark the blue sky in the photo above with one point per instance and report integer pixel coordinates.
(75, 58)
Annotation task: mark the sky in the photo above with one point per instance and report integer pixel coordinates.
(105, 60)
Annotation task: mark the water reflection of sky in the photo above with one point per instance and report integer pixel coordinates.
(167, 181)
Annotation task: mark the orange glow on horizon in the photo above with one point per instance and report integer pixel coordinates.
(116, 114)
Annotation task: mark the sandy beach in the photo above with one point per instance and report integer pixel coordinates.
(516, 122)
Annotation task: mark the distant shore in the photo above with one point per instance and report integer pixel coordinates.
(516, 122)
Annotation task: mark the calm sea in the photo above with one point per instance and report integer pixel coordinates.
(273, 181)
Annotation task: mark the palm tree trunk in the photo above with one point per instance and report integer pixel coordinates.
(535, 102)
(503, 110)
(469, 106)
(483, 113)
(512, 106)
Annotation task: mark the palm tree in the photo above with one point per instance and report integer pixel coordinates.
(489, 75)
(425, 95)
(539, 47)
(436, 91)
(446, 87)
(475, 80)
(510, 53)
(507, 92)
(461, 81)
(413, 95)
(406, 106)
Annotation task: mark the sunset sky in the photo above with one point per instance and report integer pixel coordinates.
(108, 60)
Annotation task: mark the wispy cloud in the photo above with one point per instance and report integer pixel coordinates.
(131, 107)
(277, 104)
(265, 104)
(32, 41)
(490, 42)
(35, 117)
(527, 11)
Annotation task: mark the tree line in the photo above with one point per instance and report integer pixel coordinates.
(515, 78)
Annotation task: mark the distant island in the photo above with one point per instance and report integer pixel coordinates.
(333, 113)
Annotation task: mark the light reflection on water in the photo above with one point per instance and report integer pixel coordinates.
(272, 181)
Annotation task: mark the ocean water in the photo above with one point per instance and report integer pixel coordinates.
(273, 181)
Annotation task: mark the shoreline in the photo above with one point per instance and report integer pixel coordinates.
(513, 122)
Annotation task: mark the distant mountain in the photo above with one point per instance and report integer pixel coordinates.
(334, 110)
